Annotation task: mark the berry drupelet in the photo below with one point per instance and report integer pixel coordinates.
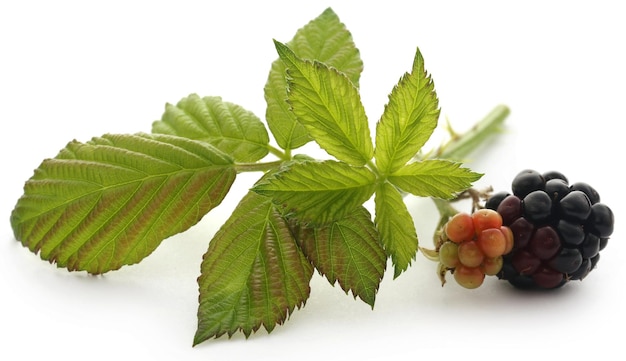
(558, 228)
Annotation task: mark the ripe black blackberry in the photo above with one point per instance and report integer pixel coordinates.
(559, 229)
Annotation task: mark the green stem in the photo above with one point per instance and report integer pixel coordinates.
(279, 153)
(257, 167)
(446, 211)
(458, 148)
(372, 166)
(445, 208)
(461, 145)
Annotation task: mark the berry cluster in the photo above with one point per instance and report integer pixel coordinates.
(474, 245)
(559, 229)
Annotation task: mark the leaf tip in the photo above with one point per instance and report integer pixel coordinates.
(329, 11)
(475, 176)
(397, 272)
(199, 338)
(281, 48)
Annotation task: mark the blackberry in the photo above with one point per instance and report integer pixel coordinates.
(527, 181)
(537, 206)
(557, 189)
(559, 229)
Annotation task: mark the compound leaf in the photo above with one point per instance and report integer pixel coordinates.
(347, 251)
(111, 201)
(434, 178)
(319, 192)
(395, 224)
(409, 119)
(329, 106)
(227, 126)
(253, 273)
(326, 40)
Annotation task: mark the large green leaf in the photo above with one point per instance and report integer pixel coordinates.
(111, 201)
(396, 227)
(409, 119)
(227, 126)
(434, 178)
(319, 192)
(253, 273)
(326, 40)
(347, 251)
(329, 106)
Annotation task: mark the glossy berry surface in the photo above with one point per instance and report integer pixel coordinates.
(558, 229)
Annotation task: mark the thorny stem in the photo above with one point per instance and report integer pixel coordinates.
(457, 149)
(461, 145)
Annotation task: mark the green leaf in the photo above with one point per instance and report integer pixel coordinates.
(326, 40)
(409, 119)
(319, 192)
(396, 227)
(111, 201)
(253, 273)
(326, 102)
(347, 251)
(434, 178)
(227, 126)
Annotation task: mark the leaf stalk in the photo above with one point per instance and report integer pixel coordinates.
(286, 155)
(257, 167)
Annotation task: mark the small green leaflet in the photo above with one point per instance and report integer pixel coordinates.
(227, 126)
(329, 106)
(324, 39)
(253, 273)
(434, 178)
(347, 251)
(111, 201)
(396, 227)
(409, 119)
(319, 192)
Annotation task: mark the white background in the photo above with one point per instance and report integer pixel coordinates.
(76, 70)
